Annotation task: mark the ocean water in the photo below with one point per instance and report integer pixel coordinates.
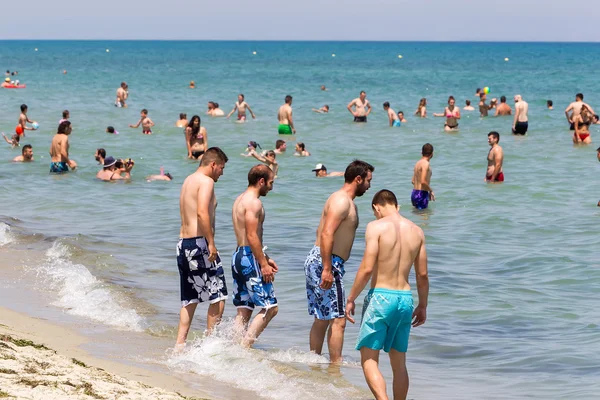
(514, 268)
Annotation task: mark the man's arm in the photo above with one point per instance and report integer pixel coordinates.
(151, 122)
(291, 121)
(498, 157)
(275, 168)
(369, 108)
(136, 125)
(590, 108)
(350, 108)
(424, 184)
(420, 313)
(64, 152)
(517, 112)
(232, 111)
(205, 195)
(338, 211)
(366, 268)
(251, 223)
(251, 112)
(570, 108)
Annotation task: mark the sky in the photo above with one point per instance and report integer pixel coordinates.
(362, 20)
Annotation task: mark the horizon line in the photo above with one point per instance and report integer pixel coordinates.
(300, 40)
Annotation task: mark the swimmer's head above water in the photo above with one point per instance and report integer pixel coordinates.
(320, 170)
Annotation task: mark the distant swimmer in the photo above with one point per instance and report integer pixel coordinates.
(421, 180)
(280, 146)
(401, 116)
(495, 159)
(301, 150)
(59, 150)
(252, 269)
(582, 126)
(483, 106)
(549, 105)
(362, 107)
(268, 157)
(112, 170)
(478, 92)
(284, 115)
(162, 176)
(322, 110)
(422, 108)
(26, 154)
(192, 85)
(111, 130)
(196, 138)
(521, 121)
(252, 146)
(6, 82)
(122, 95)
(324, 266)
(452, 115)
(201, 274)
(503, 109)
(183, 121)
(100, 155)
(145, 121)
(14, 141)
(323, 88)
(595, 119)
(393, 245)
(241, 107)
(23, 121)
(574, 109)
(66, 115)
(392, 116)
(468, 106)
(214, 110)
(320, 171)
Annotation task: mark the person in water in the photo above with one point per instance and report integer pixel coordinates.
(112, 170)
(582, 123)
(26, 154)
(122, 95)
(503, 109)
(162, 176)
(320, 171)
(468, 106)
(521, 120)
(145, 121)
(14, 141)
(393, 245)
(196, 138)
(483, 107)
(452, 114)
(362, 107)
(241, 107)
(422, 108)
(495, 159)
(280, 146)
(301, 150)
(183, 121)
(322, 110)
(574, 110)
(392, 116)
(401, 117)
(214, 110)
(59, 150)
(286, 123)
(549, 105)
(421, 180)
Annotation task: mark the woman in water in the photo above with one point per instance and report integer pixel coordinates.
(452, 114)
(196, 138)
(582, 124)
(422, 109)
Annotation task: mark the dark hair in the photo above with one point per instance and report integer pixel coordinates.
(579, 96)
(62, 128)
(101, 152)
(271, 153)
(145, 111)
(110, 129)
(302, 146)
(195, 130)
(468, 102)
(384, 197)
(400, 112)
(27, 146)
(241, 96)
(279, 143)
(495, 134)
(478, 90)
(362, 91)
(326, 106)
(288, 98)
(182, 116)
(65, 113)
(451, 98)
(168, 175)
(23, 107)
(258, 172)
(386, 104)
(427, 150)
(211, 103)
(214, 154)
(123, 85)
(357, 168)
(596, 116)
(216, 104)
(481, 95)
(502, 99)
(550, 103)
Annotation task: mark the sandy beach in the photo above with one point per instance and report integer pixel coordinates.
(39, 360)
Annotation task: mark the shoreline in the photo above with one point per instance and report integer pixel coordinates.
(67, 369)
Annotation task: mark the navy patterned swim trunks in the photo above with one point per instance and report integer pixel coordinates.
(324, 304)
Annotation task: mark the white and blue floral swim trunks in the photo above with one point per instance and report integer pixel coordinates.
(324, 304)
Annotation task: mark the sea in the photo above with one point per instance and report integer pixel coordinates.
(514, 267)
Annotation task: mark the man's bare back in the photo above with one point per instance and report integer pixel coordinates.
(521, 110)
(189, 203)
(284, 115)
(59, 149)
(421, 165)
(342, 204)
(245, 202)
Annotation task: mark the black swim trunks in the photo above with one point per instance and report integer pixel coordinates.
(197, 154)
(520, 128)
(360, 119)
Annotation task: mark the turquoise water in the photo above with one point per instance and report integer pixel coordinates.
(514, 267)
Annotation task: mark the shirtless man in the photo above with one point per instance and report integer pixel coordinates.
(483, 107)
(468, 106)
(421, 180)
(280, 146)
(284, 115)
(122, 95)
(574, 109)
(503, 109)
(401, 116)
(112, 172)
(495, 158)
(201, 274)
(253, 271)
(100, 156)
(59, 150)
(183, 121)
(322, 110)
(324, 266)
(321, 171)
(241, 107)
(162, 176)
(146, 122)
(452, 114)
(362, 108)
(23, 120)
(521, 122)
(26, 154)
(392, 116)
(393, 245)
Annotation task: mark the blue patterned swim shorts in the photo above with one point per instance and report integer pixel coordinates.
(249, 290)
(324, 304)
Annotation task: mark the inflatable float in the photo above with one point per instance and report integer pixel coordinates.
(15, 86)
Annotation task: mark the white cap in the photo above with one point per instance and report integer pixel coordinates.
(319, 167)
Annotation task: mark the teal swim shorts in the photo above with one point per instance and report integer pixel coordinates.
(386, 320)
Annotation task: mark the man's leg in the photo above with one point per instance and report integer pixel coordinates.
(335, 339)
(398, 361)
(258, 325)
(185, 320)
(215, 312)
(317, 335)
(369, 360)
